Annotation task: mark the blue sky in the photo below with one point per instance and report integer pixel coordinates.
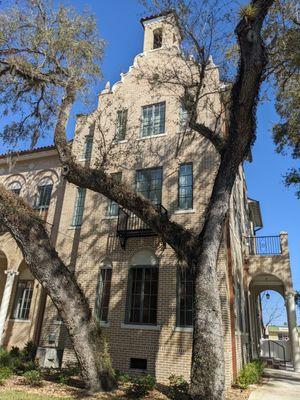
(119, 25)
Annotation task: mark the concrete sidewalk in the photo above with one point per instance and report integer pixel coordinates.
(278, 388)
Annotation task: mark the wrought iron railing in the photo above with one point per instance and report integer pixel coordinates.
(264, 245)
(129, 225)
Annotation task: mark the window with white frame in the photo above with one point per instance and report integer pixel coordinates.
(103, 296)
(153, 119)
(183, 118)
(23, 299)
(15, 187)
(79, 207)
(185, 297)
(44, 192)
(121, 125)
(149, 184)
(142, 295)
(185, 186)
(113, 207)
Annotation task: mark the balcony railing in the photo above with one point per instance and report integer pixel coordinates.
(264, 245)
(129, 225)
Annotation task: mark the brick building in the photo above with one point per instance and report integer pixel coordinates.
(139, 292)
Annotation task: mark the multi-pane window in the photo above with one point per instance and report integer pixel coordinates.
(121, 125)
(185, 189)
(183, 117)
(142, 295)
(149, 184)
(153, 119)
(103, 297)
(79, 207)
(113, 207)
(44, 194)
(15, 187)
(23, 300)
(88, 147)
(157, 38)
(185, 298)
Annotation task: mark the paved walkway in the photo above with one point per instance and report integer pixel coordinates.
(280, 386)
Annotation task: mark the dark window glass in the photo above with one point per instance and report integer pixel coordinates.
(43, 196)
(113, 207)
(185, 298)
(153, 119)
(185, 190)
(183, 118)
(88, 147)
(142, 299)
(138, 363)
(149, 184)
(104, 294)
(79, 207)
(157, 38)
(23, 298)
(121, 125)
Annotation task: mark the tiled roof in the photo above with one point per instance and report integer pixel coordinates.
(23, 152)
(163, 14)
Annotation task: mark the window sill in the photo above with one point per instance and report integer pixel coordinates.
(152, 136)
(110, 217)
(104, 324)
(189, 211)
(140, 326)
(74, 228)
(25, 321)
(188, 329)
(84, 159)
(115, 142)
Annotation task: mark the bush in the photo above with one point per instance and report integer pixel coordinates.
(250, 374)
(178, 388)
(122, 377)
(32, 378)
(4, 358)
(5, 373)
(141, 386)
(19, 361)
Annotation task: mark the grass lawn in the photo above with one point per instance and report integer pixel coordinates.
(21, 395)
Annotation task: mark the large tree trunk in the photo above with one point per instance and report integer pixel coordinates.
(47, 267)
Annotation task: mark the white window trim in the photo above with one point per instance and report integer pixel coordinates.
(152, 136)
(188, 211)
(141, 326)
(188, 329)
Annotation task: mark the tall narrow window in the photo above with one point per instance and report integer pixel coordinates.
(121, 125)
(183, 118)
(185, 298)
(149, 184)
(79, 207)
(153, 119)
(113, 207)
(23, 298)
(104, 294)
(185, 189)
(15, 187)
(142, 295)
(157, 38)
(44, 194)
(88, 147)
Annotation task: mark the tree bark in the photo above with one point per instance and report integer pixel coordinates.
(47, 267)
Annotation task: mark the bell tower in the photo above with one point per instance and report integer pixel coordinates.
(161, 31)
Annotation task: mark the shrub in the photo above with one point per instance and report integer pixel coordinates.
(4, 358)
(178, 388)
(250, 374)
(29, 352)
(141, 386)
(32, 378)
(122, 377)
(5, 373)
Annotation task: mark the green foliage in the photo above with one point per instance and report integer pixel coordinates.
(5, 373)
(19, 361)
(141, 386)
(32, 378)
(178, 388)
(250, 374)
(122, 377)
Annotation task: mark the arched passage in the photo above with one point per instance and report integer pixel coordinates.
(275, 351)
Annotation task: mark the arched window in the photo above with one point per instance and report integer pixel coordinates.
(157, 38)
(15, 187)
(141, 307)
(103, 291)
(43, 197)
